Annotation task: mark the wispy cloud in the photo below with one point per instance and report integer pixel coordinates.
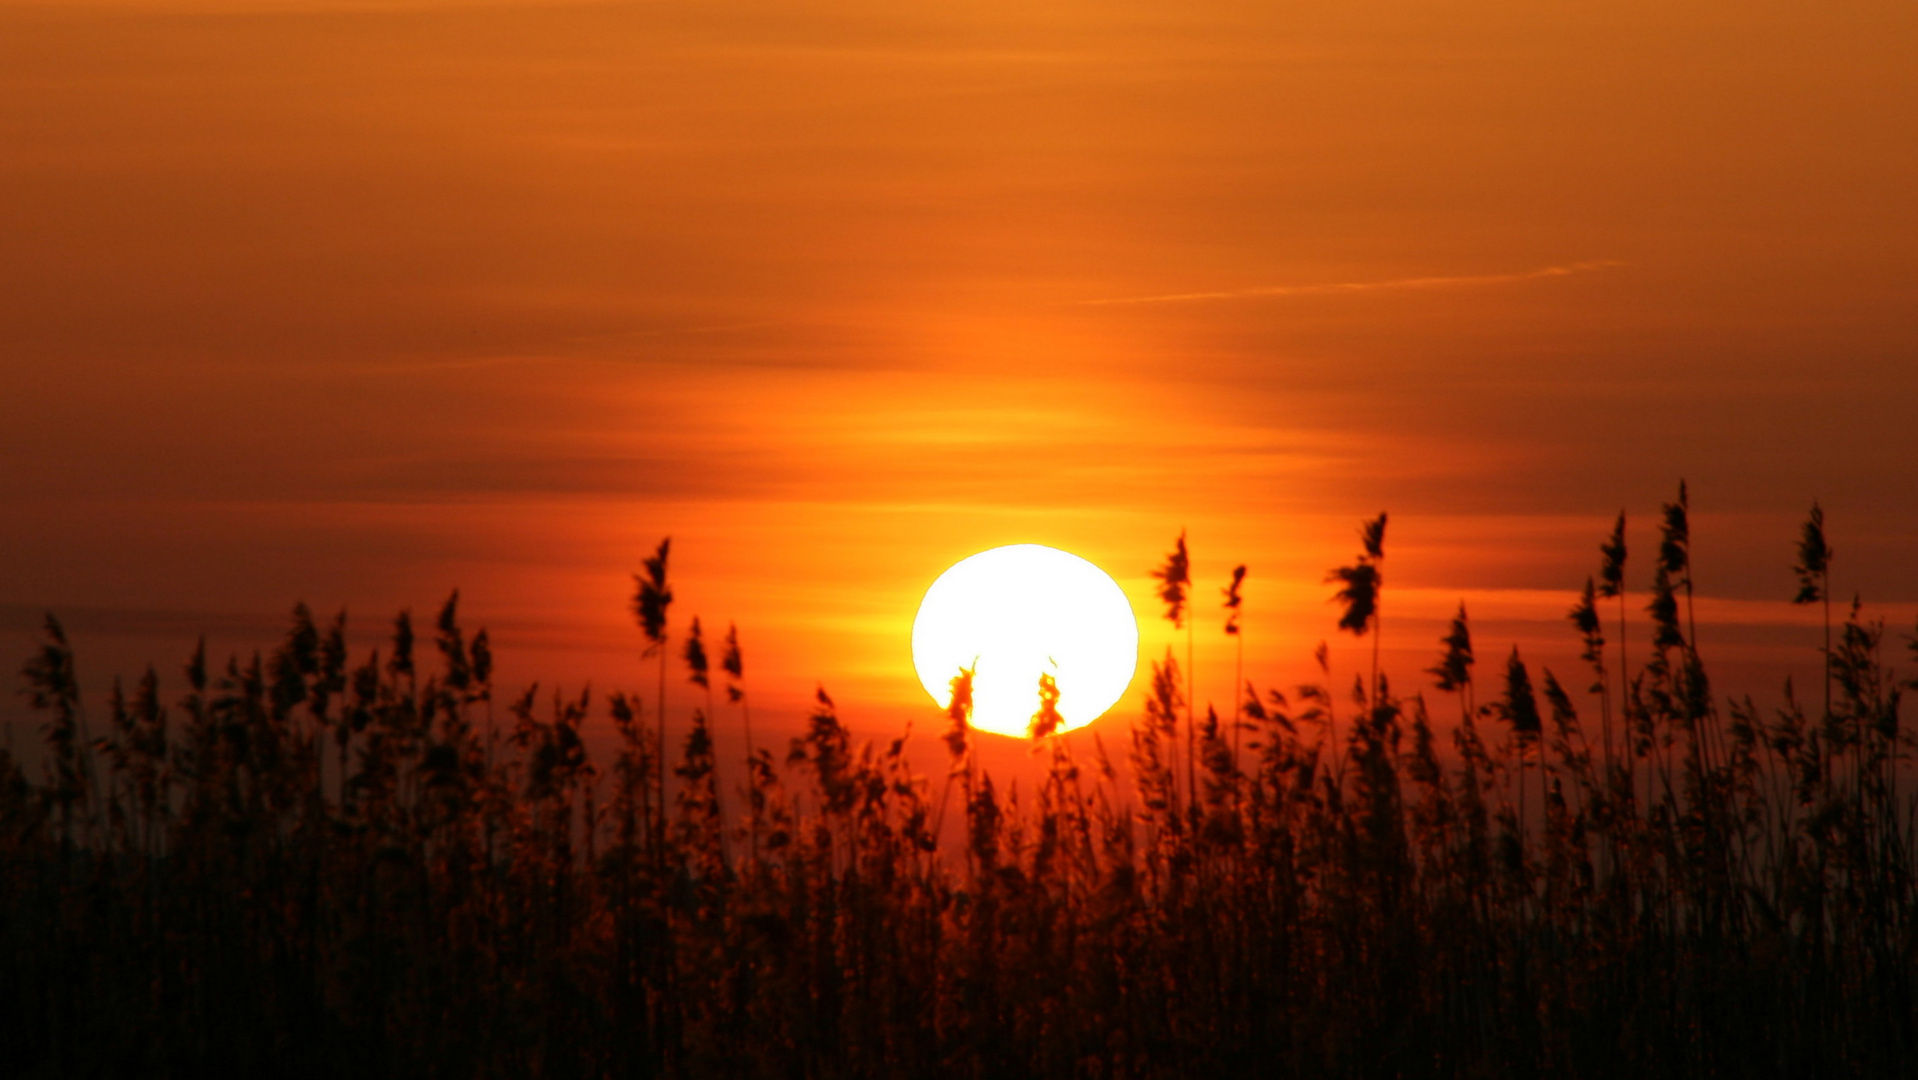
(1335, 287)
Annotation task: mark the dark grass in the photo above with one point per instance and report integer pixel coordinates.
(305, 867)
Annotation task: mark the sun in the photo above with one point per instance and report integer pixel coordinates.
(1014, 613)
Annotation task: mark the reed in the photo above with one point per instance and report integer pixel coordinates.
(1175, 582)
(1235, 608)
(1814, 578)
(1361, 588)
(303, 864)
(652, 598)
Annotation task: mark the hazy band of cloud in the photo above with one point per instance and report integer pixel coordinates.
(1329, 288)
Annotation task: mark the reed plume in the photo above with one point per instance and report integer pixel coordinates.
(1360, 587)
(53, 687)
(1047, 720)
(733, 663)
(1814, 578)
(958, 740)
(1453, 672)
(1519, 709)
(1585, 619)
(1372, 536)
(1234, 608)
(652, 597)
(1675, 555)
(1175, 578)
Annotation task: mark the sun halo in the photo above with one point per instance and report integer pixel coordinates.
(1014, 613)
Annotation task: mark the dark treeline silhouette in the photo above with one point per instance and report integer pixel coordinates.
(306, 866)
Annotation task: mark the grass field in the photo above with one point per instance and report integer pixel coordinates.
(305, 864)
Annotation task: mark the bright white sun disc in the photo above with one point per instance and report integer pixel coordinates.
(1014, 613)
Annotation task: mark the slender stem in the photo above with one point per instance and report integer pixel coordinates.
(1605, 712)
(1691, 616)
(1827, 592)
(712, 730)
(1625, 696)
(1702, 730)
(659, 738)
(1521, 811)
(1238, 684)
(752, 784)
(1378, 631)
(1191, 734)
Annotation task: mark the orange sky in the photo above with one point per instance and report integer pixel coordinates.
(356, 302)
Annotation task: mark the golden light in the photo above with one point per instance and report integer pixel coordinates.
(1014, 613)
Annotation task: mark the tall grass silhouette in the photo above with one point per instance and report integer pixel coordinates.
(308, 864)
(1359, 588)
(1175, 583)
(1234, 608)
(652, 598)
(1814, 579)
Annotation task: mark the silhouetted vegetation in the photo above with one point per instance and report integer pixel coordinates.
(302, 865)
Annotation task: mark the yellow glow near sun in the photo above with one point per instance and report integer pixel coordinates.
(1014, 613)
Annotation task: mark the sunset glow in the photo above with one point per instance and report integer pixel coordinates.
(359, 301)
(495, 496)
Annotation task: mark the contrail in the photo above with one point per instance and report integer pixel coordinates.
(1370, 286)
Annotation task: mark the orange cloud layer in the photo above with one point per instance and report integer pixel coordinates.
(359, 301)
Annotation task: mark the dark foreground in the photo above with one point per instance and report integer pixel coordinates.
(306, 867)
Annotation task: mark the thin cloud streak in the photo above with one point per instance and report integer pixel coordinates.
(1331, 288)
